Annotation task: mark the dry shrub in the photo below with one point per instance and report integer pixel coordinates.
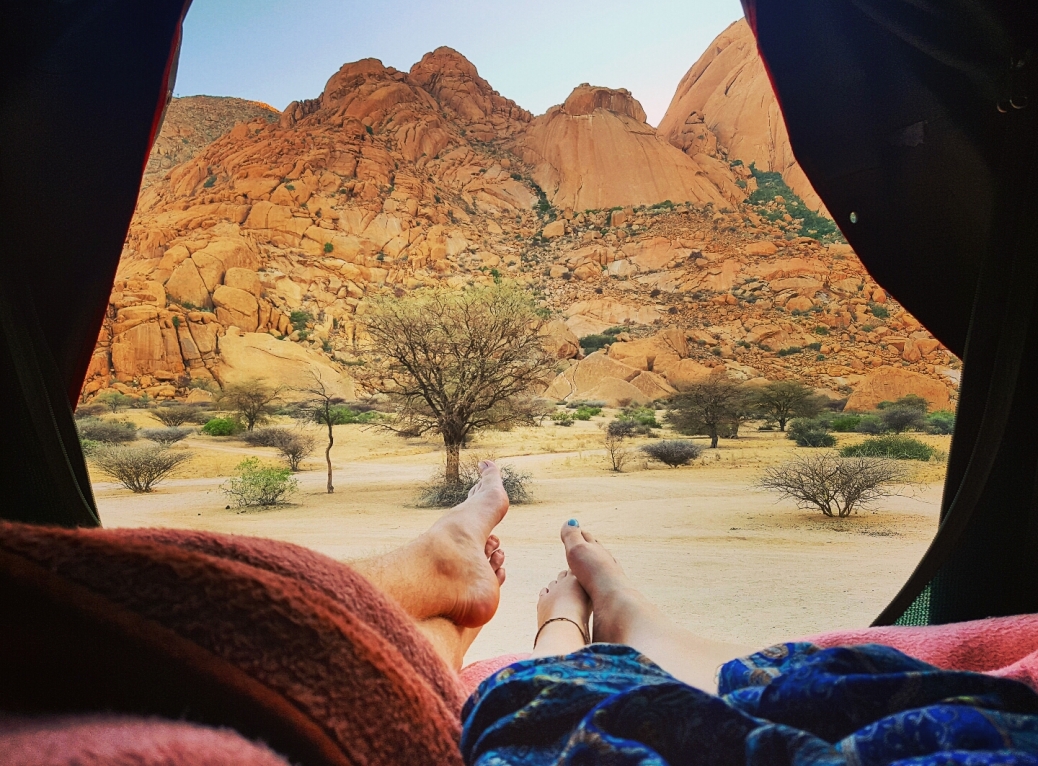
(673, 452)
(173, 415)
(293, 446)
(442, 494)
(835, 485)
(106, 431)
(165, 436)
(138, 469)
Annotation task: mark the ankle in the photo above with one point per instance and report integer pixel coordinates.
(619, 614)
(559, 637)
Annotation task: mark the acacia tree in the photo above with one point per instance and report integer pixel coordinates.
(253, 400)
(782, 400)
(455, 362)
(710, 406)
(319, 406)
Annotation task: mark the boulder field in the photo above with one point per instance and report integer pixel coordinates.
(253, 253)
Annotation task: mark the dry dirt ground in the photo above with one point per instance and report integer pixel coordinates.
(720, 556)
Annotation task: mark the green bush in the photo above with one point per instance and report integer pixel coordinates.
(345, 416)
(640, 416)
(586, 413)
(810, 433)
(595, 342)
(562, 418)
(771, 184)
(870, 424)
(892, 446)
(107, 431)
(790, 351)
(900, 417)
(328, 247)
(940, 422)
(298, 320)
(259, 485)
(845, 423)
(880, 312)
(221, 427)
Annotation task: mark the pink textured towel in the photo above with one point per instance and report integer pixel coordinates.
(1000, 646)
(117, 740)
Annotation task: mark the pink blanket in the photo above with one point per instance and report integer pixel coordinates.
(1000, 646)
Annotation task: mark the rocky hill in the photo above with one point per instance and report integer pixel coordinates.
(724, 109)
(192, 123)
(255, 257)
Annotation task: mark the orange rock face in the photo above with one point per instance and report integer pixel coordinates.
(890, 383)
(257, 255)
(724, 107)
(596, 151)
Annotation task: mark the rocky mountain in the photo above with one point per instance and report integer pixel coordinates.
(256, 256)
(596, 151)
(724, 109)
(192, 123)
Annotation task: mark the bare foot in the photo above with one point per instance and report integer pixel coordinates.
(456, 568)
(562, 598)
(625, 616)
(450, 640)
(616, 602)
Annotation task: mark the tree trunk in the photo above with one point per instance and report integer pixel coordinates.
(328, 455)
(782, 424)
(713, 438)
(453, 472)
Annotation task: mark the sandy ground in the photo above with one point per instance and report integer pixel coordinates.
(721, 557)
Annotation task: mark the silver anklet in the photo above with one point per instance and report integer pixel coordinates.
(546, 623)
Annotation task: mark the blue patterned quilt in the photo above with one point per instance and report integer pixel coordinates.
(790, 704)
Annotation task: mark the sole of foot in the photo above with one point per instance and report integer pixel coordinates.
(466, 559)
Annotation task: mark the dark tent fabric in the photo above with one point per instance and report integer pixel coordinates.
(83, 86)
(915, 122)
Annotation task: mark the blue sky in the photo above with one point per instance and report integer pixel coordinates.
(534, 52)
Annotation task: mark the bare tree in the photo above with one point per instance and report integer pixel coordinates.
(319, 406)
(709, 407)
(295, 447)
(835, 485)
(782, 400)
(456, 362)
(253, 400)
(616, 449)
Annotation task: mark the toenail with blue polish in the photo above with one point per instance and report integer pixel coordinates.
(573, 523)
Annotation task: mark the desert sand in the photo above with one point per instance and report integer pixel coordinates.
(722, 557)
